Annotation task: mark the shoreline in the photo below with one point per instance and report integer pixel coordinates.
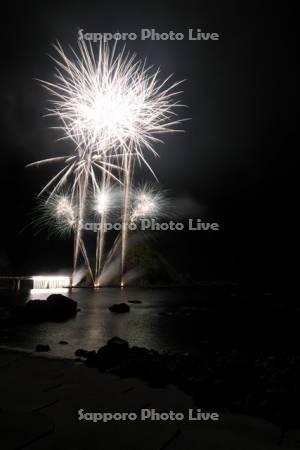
(235, 368)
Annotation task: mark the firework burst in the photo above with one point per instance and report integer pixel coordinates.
(114, 109)
(150, 202)
(58, 214)
(109, 102)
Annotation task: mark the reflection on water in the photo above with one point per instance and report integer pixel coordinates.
(36, 291)
(164, 320)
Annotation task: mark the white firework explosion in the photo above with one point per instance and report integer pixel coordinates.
(113, 108)
(149, 202)
(110, 102)
(58, 214)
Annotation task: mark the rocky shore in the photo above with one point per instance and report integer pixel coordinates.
(265, 386)
(55, 308)
(42, 400)
(246, 363)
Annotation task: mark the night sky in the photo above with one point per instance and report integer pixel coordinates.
(228, 161)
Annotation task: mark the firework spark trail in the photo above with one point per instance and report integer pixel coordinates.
(101, 207)
(125, 215)
(145, 201)
(82, 190)
(142, 203)
(82, 168)
(87, 261)
(113, 108)
(74, 166)
(59, 213)
(111, 102)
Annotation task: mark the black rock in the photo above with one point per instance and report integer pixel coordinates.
(82, 353)
(56, 308)
(42, 348)
(92, 359)
(61, 307)
(118, 345)
(135, 302)
(33, 311)
(115, 347)
(139, 352)
(63, 342)
(111, 355)
(119, 308)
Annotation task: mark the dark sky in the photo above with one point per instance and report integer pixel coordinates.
(228, 160)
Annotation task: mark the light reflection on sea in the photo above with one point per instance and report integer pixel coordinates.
(167, 319)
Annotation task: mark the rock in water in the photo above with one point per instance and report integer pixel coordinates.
(56, 308)
(60, 307)
(135, 302)
(42, 348)
(119, 308)
(32, 312)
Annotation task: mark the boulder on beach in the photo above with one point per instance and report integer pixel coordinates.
(115, 351)
(81, 353)
(119, 308)
(118, 346)
(117, 357)
(56, 308)
(112, 354)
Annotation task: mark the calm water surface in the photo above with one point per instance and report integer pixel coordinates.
(167, 319)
